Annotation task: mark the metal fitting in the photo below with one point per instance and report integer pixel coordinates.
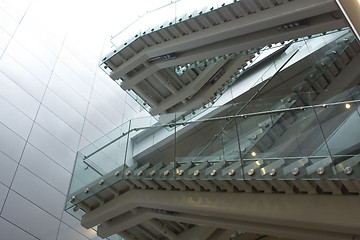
(320, 171)
(295, 171)
(251, 172)
(348, 170)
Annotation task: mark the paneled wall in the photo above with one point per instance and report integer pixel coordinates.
(54, 100)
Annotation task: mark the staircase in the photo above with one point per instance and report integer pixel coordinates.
(180, 65)
(294, 177)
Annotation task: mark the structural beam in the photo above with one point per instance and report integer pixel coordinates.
(322, 215)
(197, 233)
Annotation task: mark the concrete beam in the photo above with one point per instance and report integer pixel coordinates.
(315, 213)
(162, 229)
(197, 233)
(221, 234)
(298, 233)
(188, 90)
(217, 222)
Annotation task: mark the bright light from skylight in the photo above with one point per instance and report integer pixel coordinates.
(91, 23)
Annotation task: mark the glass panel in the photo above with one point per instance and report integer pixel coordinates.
(96, 163)
(82, 176)
(151, 154)
(108, 152)
(200, 145)
(272, 141)
(76, 213)
(140, 101)
(339, 123)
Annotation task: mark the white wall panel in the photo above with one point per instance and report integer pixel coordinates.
(8, 23)
(108, 88)
(68, 94)
(39, 192)
(67, 232)
(18, 96)
(83, 143)
(99, 120)
(90, 132)
(32, 63)
(89, 55)
(4, 38)
(63, 110)
(11, 144)
(129, 112)
(73, 79)
(117, 101)
(10, 231)
(32, 27)
(87, 72)
(106, 108)
(22, 77)
(15, 119)
(58, 128)
(52, 147)
(37, 49)
(75, 224)
(21, 212)
(51, 16)
(3, 192)
(47, 169)
(1, 51)
(15, 8)
(7, 169)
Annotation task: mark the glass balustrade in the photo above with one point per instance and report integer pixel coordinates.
(305, 129)
(269, 140)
